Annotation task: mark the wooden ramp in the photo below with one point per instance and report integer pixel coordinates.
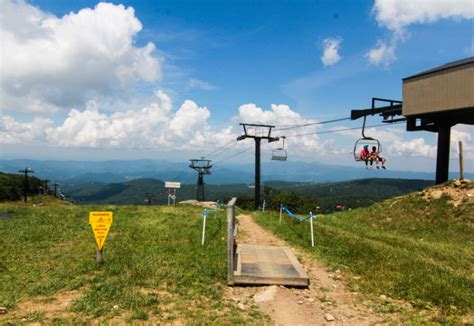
(260, 265)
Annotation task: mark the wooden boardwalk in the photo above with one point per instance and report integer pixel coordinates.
(267, 265)
(260, 265)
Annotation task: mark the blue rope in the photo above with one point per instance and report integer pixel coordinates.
(297, 217)
(204, 214)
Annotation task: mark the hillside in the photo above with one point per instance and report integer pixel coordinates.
(12, 185)
(352, 194)
(417, 248)
(154, 267)
(408, 260)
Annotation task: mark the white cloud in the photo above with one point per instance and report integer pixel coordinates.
(331, 48)
(200, 84)
(382, 54)
(189, 117)
(13, 132)
(281, 116)
(48, 63)
(156, 126)
(414, 147)
(397, 15)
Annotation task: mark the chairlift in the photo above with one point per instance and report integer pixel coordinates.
(365, 141)
(280, 153)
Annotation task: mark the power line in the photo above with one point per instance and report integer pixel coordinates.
(339, 130)
(287, 127)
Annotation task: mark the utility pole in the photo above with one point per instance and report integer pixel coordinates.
(202, 167)
(56, 189)
(148, 197)
(257, 132)
(45, 187)
(26, 185)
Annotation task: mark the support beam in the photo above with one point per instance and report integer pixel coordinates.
(257, 132)
(442, 158)
(257, 172)
(200, 195)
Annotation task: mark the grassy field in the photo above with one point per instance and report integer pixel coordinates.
(154, 266)
(405, 248)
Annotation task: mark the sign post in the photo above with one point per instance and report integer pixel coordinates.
(171, 191)
(100, 223)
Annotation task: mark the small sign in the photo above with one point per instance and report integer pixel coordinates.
(174, 185)
(100, 223)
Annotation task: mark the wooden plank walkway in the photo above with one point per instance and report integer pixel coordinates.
(260, 265)
(267, 265)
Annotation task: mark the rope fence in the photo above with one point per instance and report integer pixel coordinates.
(310, 217)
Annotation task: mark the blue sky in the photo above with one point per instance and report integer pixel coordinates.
(221, 55)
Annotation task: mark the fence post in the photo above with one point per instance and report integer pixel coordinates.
(204, 226)
(312, 231)
(230, 240)
(263, 206)
(461, 161)
(281, 211)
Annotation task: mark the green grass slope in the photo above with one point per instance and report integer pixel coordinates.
(154, 266)
(408, 248)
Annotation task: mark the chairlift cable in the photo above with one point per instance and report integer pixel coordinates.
(287, 127)
(229, 157)
(340, 130)
(220, 148)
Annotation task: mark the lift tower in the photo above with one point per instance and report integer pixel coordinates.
(257, 132)
(202, 167)
(26, 184)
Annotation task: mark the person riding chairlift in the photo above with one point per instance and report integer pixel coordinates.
(374, 156)
(364, 155)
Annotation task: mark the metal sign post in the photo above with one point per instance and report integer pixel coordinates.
(100, 223)
(171, 187)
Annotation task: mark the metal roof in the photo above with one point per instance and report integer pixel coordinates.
(444, 67)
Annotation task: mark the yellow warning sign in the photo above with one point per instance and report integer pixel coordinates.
(100, 223)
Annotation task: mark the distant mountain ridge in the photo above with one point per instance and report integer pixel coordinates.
(78, 172)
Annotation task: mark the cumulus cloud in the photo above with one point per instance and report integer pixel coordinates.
(154, 126)
(414, 147)
(281, 116)
(13, 132)
(397, 15)
(331, 51)
(382, 54)
(48, 63)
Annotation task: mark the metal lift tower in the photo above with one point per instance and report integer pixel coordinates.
(257, 132)
(202, 167)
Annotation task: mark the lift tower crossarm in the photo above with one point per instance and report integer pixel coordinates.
(257, 132)
(202, 167)
(393, 109)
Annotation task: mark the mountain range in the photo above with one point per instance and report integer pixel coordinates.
(113, 171)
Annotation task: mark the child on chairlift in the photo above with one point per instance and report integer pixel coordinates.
(374, 157)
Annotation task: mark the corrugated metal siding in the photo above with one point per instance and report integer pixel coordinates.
(447, 90)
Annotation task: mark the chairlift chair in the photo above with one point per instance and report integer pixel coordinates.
(280, 153)
(365, 140)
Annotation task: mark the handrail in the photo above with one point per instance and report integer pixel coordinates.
(231, 240)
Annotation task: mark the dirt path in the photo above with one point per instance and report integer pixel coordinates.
(326, 297)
